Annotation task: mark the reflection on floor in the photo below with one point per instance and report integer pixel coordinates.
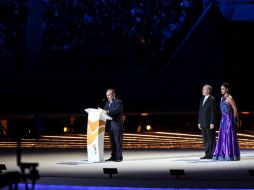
(140, 168)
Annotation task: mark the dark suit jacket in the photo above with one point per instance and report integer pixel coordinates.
(115, 111)
(207, 112)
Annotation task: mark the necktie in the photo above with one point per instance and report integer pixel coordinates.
(204, 101)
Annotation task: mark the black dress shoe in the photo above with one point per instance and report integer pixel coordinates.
(117, 160)
(110, 159)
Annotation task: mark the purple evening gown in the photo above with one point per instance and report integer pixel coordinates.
(227, 147)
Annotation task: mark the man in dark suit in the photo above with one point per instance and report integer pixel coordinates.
(207, 120)
(114, 108)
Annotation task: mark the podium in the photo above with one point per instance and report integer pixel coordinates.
(95, 134)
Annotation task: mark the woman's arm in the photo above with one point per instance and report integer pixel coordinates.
(233, 104)
(235, 110)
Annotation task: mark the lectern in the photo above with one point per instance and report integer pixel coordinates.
(95, 134)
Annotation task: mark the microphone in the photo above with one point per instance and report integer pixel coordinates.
(101, 104)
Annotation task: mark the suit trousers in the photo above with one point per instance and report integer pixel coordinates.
(116, 138)
(208, 140)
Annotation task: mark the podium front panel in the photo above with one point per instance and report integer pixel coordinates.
(95, 137)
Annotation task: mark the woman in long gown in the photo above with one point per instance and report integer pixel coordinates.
(227, 147)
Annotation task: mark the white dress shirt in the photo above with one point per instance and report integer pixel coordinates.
(205, 98)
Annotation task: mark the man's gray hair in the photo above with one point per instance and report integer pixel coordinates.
(209, 87)
(112, 90)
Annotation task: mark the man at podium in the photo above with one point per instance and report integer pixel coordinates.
(114, 108)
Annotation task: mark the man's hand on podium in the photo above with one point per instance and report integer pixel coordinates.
(103, 111)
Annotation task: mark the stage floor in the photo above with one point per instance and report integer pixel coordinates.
(139, 168)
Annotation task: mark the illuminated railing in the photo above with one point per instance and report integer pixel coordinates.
(130, 140)
(141, 130)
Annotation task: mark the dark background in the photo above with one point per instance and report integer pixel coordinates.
(211, 49)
